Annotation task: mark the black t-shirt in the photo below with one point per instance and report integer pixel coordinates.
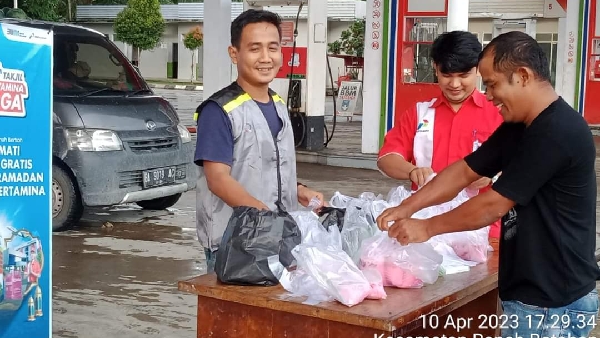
(548, 239)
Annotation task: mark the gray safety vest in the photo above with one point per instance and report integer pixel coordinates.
(254, 162)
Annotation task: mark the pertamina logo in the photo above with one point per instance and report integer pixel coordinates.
(13, 92)
(422, 126)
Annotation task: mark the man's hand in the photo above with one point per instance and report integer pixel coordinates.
(305, 195)
(410, 230)
(480, 183)
(228, 189)
(392, 215)
(420, 175)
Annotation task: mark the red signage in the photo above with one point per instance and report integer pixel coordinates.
(287, 32)
(298, 62)
(13, 92)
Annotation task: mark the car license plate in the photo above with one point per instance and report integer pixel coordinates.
(158, 177)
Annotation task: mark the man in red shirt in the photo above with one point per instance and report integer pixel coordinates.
(436, 133)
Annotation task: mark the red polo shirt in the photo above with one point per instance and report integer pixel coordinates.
(432, 134)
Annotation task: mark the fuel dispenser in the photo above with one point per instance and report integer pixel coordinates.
(302, 77)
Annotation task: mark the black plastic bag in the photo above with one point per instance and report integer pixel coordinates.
(334, 217)
(251, 237)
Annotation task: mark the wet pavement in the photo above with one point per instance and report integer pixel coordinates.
(116, 274)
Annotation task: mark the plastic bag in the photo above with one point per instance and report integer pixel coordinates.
(376, 282)
(397, 195)
(442, 208)
(378, 207)
(339, 201)
(313, 232)
(370, 196)
(451, 263)
(359, 224)
(469, 245)
(253, 236)
(334, 271)
(298, 282)
(319, 248)
(402, 266)
(301, 284)
(333, 217)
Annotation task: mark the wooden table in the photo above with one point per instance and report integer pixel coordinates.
(468, 299)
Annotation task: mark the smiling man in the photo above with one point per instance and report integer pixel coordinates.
(439, 132)
(240, 129)
(546, 197)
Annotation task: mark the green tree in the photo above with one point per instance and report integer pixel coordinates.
(352, 39)
(193, 40)
(36, 9)
(140, 25)
(47, 10)
(16, 13)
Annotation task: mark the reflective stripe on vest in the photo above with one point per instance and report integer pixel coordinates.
(423, 142)
(231, 105)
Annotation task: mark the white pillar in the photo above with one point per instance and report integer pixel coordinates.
(316, 74)
(568, 34)
(561, 56)
(216, 61)
(372, 78)
(458, 15)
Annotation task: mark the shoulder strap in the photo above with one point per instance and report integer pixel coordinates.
(223, 97)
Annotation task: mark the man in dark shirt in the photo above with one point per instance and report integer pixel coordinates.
(546, 196)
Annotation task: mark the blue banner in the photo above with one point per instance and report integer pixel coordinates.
(25, 177)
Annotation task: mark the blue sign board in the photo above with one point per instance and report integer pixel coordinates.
(25, 177)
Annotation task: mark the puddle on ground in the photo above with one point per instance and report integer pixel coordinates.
(125, 278)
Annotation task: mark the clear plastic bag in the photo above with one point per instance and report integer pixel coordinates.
(340, 201)
(439, 209)
(397, 195)
(451, 263)
(469, 245)
(359, 224)
(402, 266)
(325, 271)
(333, 271)
(314, 233)
(378, 207)
(369, 196)
(376, 282)
(301, 284)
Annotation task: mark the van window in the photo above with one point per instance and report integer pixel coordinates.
(84, 64)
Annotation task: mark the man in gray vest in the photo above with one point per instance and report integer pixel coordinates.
(237, 130)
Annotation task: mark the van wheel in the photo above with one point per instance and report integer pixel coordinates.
(67, 207)
(160, 203)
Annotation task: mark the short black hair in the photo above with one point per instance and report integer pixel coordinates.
(456, 52)
(516, 49)
(252, 16)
